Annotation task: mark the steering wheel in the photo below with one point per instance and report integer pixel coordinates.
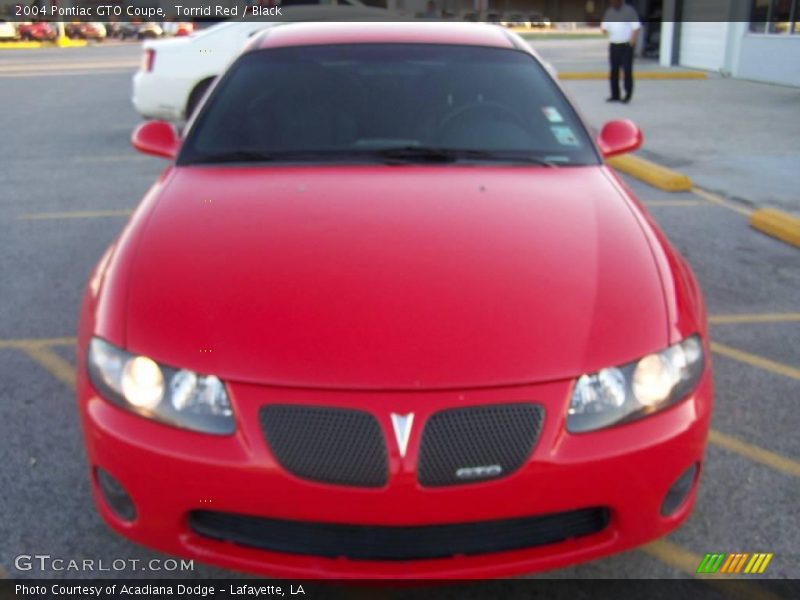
(499, 110)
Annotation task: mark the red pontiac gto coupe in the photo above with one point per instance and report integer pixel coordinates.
(388, 314)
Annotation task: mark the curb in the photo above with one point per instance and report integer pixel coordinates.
(651, 173)
(58, 43)
(65, 42)
(19, 45)
(636, 75)
(777, 224)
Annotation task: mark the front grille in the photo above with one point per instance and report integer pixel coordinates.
(465, 445)
(369, 542)
(329, 445)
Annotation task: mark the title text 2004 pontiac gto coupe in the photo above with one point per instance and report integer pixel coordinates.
(388, 314)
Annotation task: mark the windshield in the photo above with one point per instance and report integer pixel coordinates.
(392, 103)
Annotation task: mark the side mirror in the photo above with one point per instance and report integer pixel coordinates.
(619, 137)
(157, 138)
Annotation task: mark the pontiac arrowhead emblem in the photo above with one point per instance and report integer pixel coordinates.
(402, 430)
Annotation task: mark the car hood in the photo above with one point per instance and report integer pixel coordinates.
(393, 277)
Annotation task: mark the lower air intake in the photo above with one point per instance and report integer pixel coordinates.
(372, 542)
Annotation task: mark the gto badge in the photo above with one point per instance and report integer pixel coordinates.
(479, 472)
(402, 430)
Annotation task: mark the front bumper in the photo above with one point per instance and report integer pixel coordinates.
(169, 473)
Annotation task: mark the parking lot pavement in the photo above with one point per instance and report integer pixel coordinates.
(738, 138)
(68, 176)
(43, 58)
(584, 55)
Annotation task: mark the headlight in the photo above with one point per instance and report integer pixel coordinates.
(178, 397)
(629, 392)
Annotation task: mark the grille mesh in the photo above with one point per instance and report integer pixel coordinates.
(329, 445)
(380, 542)
(482, 436)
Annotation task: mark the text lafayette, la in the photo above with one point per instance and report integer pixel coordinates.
(161, 590)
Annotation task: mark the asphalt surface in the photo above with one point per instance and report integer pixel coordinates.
(65, 147)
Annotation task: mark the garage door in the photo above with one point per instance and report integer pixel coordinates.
(703, 41)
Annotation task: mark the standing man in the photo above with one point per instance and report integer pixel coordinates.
(430, 11)
(621, 23)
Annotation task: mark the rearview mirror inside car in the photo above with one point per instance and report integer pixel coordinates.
(157, 138)
(619, 137)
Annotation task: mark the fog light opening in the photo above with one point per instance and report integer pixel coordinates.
(679, 491)
(115, 496)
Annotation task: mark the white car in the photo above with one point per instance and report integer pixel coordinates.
(8, 31)
(176, 73)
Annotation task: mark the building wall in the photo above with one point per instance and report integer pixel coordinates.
(703, 39)
(729, 47)
(703, 44)
(769, 58)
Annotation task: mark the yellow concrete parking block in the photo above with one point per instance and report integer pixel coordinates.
(777, 224)
(651, 173)
(19, 45)
(65, 42)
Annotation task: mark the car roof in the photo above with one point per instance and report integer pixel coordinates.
(313, 34)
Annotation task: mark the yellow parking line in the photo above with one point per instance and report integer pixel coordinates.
(755, 453)
(756, 361)
(23, 343)
(675, 203)
(720, 201)
(68, 66)
(754, 318)
(65, 73)
(681, 559)
(109, 158)
(78, 214)
(52, 363)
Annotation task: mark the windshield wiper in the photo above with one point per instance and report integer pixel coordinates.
(391, 156)
(412, 154)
